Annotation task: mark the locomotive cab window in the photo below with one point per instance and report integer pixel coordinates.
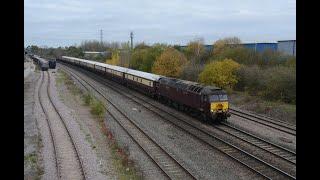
(213, 98)
(220, 97)
(223, 97)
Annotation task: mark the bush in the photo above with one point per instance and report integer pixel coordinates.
(170, 63)
(271, 83)
(281, 84)
(87, 99)
(250, 78)
(97, 108)
(191, 71)
(220, 73)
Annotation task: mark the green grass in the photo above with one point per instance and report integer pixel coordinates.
(87, 98)
(31, 159)
(275, 109)
(62, 77)
(97, 108)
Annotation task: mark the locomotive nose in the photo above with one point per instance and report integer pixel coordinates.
(219, 107)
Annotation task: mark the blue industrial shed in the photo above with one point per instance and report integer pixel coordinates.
(287, 47)
(260, 47)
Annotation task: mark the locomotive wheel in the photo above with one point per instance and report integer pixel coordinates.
(204, 118)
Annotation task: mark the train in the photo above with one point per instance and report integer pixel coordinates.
(52, 63)
(209, 102)
(43, 64)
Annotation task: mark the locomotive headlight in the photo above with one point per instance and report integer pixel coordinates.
(219, 106)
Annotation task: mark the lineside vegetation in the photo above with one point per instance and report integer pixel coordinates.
(268, 75)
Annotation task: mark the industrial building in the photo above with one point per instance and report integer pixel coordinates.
(288, 47)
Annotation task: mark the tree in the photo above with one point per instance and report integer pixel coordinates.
(74, 52)
(124, 54)
(191, 71)
(220, 73)
(141, 46)
(137, 59)
(34, 49)
(222, 44)
(195, 50)
(169, 63)
(115, 58)
(143, 59)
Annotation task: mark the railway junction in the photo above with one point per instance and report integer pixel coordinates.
(158, 141)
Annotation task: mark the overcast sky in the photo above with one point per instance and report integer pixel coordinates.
(69, 22)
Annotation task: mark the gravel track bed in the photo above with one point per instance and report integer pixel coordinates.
(261, 154)
(279, 126)
(90, 163)
(147, 169)
(32, 140)
(98, 156)
(196, 155)
(280, 138)
(69, 166)
(166, 163)
(47, 150)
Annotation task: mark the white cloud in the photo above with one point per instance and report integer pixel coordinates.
(66, 22)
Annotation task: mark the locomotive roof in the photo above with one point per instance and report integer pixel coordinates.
(189, 85)
(41, 59)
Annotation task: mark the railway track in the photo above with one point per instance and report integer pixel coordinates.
(282, 152)
(259, 166)
(67, 158)
(166, 161)
(266, 121)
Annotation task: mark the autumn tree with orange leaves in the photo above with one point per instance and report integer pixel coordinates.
(170, 63)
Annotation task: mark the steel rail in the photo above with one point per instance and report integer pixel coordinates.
(67, 130)
(264, 117)
(279, 155)
(277, 126)
(135, 125)
(49, 126)
(269, 165)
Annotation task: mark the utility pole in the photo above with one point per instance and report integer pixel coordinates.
(131, 37)
(101, 36)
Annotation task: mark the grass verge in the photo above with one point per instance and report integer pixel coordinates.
(279, 110)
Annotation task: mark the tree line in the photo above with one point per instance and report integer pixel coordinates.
(268, 74)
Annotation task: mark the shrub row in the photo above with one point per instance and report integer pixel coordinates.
(272, 83)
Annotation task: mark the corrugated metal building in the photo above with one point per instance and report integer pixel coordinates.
(260, 47)
(287, 47)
